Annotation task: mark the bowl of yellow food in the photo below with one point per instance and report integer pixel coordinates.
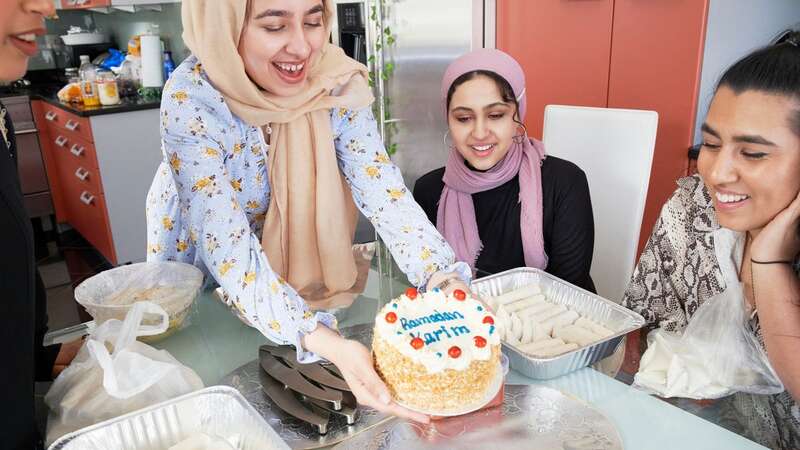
(171, 285)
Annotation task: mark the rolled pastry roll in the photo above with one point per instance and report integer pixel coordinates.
(520, 305)
(544, 343)
(535, 308)
(594, 327)
(532, 331)
(575, 334)
(518, 294)
(503, 320)
(563, 318)
(548, 313)
(548, 352)
(516, 328)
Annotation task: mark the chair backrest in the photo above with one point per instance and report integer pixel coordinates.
(614, 147)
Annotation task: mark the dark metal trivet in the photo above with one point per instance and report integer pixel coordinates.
(309, 392)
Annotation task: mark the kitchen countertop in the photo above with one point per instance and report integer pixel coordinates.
(47, 93)
(215, 343)
(127, 105)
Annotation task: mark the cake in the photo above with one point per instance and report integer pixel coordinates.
(436, 352)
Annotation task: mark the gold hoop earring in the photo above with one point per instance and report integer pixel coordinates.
(519, 138)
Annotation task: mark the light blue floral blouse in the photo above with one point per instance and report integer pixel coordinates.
(208, 201)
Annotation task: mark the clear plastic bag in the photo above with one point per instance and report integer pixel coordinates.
(171, 285)
(718, 353)
(101, 384)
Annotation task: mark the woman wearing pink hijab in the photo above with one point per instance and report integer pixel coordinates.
(499, 201)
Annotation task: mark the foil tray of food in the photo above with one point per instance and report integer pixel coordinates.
(550, 327)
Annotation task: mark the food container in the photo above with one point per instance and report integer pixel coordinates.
(84, 38)
(605, 312)
(169, 284)
(107, 88)
(216, 411)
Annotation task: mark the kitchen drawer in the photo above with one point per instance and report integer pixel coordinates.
(86, 212)
(74, 149)
(72, 172)
(72, 125)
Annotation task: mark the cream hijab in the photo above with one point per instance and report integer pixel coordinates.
(308, 230)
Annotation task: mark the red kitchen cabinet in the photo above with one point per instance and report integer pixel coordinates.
(72, 170)
(637, 54)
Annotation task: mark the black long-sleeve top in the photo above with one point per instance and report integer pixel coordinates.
(23, 310)
(567, 220)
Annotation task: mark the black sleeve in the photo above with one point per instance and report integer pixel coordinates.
(45, 356)
(572, 240)
(427, 191)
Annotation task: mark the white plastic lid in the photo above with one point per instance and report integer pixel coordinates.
(84, 59)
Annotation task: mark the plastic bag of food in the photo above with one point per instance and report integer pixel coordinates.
(114, 374)
(171, 285)
(718, 353)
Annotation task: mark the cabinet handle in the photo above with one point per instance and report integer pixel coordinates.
(71, 126)
(87, 198)
(82, 174)
(50, 116)
(77, 151)
(61, 141)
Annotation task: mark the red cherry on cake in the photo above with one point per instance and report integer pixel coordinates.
(489, 320)
(411, 293)
(459, 295)
(454, 352)
(391, 317)
(417, 343)
(480, 341)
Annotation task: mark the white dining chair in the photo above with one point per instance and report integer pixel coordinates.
(614, 147)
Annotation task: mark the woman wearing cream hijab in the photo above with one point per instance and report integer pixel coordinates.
(269, 147)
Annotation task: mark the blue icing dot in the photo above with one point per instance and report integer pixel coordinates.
(480, 308)
(438, 354)
(491, 329)
(399, 332)
(394, 305)
(436, 289)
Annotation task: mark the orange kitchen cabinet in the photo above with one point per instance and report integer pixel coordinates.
(72, 170)
(656, 61)
(638, 54)
(564, 46)
(48, 156)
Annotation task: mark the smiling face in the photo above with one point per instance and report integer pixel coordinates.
(279, 40)
(750, 159)
(20, 22)
(481, 122)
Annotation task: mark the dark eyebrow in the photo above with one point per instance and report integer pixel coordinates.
(315, 10)
(464, 108)
(706, 128)
(273, 13)
(284, 13)
(753, 139)
(745, 138)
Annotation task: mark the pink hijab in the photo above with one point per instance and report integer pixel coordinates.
(455, 217)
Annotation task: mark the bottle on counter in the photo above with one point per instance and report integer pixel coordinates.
(107, 88)
(169, 65)
(88, 74)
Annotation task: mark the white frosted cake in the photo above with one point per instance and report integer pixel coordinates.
(437, 352)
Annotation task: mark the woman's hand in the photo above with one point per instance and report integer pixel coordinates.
(355, 363)
(780, 239)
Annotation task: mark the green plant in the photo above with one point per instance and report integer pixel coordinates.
(382, 68)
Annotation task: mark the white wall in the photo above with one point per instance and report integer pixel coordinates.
(736, 27)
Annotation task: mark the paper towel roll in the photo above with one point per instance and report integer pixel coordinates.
(152, 71)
